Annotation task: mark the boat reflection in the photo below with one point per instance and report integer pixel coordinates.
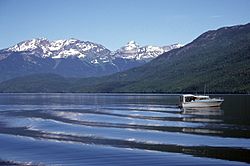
(207, 116)
(206, 111)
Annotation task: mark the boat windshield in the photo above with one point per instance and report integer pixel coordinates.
(193, 98)
(189, 98)
(201, 97)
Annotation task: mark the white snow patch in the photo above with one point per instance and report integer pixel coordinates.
(94, 61)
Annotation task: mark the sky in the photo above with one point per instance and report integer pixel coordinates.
(113, 23)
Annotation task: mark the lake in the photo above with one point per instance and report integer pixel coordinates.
(121, 129)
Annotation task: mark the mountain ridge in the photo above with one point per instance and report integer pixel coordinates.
(218, 59)
(72, 58)
(61, 48)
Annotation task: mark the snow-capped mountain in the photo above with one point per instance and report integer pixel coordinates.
(96, 53)
(63, 49)
(73, 58)
(132, 50)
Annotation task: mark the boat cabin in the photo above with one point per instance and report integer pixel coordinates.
(189, 98)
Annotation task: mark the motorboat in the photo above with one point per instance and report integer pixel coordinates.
(199, 101)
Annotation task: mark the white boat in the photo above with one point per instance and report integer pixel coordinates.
(198, 101)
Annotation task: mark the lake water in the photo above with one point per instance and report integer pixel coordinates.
(121, 129)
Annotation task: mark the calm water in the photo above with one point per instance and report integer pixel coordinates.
(121, 129)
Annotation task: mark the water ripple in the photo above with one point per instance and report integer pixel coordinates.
(151, 128)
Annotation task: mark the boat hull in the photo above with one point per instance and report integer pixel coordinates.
(200, 104)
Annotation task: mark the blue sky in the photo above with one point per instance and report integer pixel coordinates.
(113, 23)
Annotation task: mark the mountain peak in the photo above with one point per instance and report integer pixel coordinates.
(132, 44)
(59, 48)
(71, 40)
(29, 45)
(40, 39)
(132, 50)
